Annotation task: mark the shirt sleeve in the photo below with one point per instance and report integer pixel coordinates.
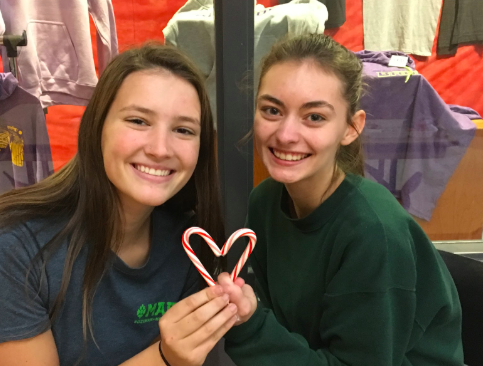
(379, 318)
(23, 304)
(102, 14)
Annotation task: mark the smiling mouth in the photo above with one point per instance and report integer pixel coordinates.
(288, 156)
(152, 171)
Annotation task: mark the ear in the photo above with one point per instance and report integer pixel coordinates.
(359, 121)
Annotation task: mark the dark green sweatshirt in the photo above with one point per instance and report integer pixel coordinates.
(356, 282)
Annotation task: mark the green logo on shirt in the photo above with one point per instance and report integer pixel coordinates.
(152, 312)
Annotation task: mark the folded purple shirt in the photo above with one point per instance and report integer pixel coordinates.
(413, 141)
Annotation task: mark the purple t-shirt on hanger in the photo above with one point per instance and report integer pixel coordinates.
(413, 141)
(25, 156)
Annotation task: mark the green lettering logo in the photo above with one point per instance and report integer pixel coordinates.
(153, 311)
(141, 311)
(160, 309)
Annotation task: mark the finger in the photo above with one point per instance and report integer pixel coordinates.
(248, 306)
(232, 290)
(228, 285)
(186, 306)
(195, 320)
(211, 332)
(224, 279)
(237, 296)
(248, 292)
(239, 281)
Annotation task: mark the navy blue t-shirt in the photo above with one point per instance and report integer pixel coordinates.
(128, 302)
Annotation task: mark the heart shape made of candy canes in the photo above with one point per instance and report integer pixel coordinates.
(216, 250)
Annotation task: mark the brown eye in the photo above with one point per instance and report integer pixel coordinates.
(184, 131)
(270, 110)
(316, 118)
(136, 121)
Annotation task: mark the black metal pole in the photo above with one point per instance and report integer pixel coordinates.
(234, 23)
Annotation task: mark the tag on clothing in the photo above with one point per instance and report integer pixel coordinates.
(398, 61)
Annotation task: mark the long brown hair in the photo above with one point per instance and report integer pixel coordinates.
(338, 60)
(82, 193)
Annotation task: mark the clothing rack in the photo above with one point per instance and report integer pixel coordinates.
(11, 42)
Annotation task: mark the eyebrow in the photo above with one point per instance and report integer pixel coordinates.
(134, 107)
(188, 119)
(308, 105)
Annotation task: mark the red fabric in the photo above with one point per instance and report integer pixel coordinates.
(136, 21)
(458, 79)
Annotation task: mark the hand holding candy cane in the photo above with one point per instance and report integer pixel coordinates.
(241, 295)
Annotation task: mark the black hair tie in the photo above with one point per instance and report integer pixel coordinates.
(162, 356)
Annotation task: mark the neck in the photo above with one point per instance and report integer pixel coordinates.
(135, 222)
(307, 196)
(136, 227)
(136, 241)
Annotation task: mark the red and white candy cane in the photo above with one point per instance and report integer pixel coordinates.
(216, 250)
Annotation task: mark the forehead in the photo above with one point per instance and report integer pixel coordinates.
(306, 80)
(157, 89)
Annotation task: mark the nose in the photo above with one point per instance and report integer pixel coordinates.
(288, 131)
(158, 142)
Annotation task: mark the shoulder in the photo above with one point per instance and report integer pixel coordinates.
(27, 238)
(371, 219)
(373, 236)
(373, 204)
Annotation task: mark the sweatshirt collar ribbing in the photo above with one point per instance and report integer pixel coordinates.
(322, 214)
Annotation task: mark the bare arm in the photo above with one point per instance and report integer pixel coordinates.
(36, 351)
(41, 351)
(190, 329)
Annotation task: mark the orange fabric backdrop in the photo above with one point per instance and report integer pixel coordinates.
(458, 79)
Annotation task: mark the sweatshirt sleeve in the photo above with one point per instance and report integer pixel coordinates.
(102, 14)
(378, 317)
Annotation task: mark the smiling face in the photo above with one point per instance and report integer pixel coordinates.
(300, 122)
(151, 138)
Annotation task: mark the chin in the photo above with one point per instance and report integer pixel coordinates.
(152, 201)
(281, 177)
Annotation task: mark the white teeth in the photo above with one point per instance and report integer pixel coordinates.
(289, 157)
(152, 171)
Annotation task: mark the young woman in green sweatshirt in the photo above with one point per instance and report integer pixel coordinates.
(344, 275)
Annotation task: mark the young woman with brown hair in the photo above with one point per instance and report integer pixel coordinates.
(344, 274)
(91, 257)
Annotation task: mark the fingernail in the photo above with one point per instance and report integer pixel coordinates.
(226, 297)
(232, 308)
